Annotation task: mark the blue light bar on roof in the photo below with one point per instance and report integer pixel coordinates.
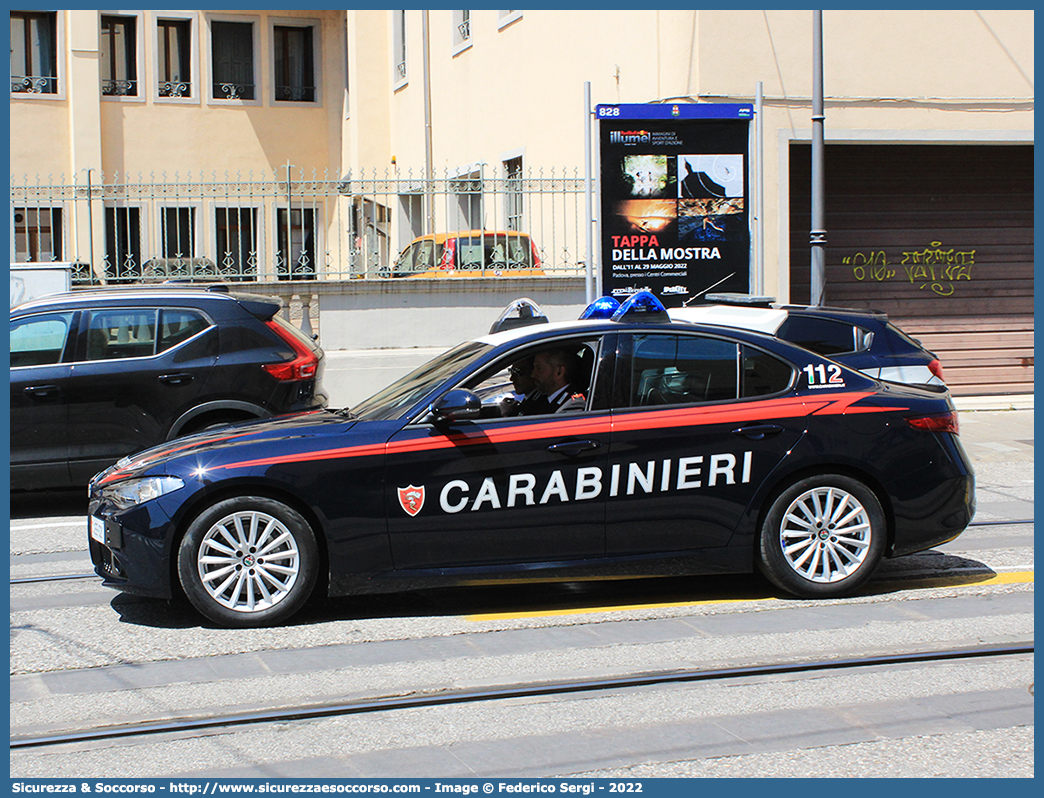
(642, 307)
(602, 308)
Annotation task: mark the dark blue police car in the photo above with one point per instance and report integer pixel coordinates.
(688, 450)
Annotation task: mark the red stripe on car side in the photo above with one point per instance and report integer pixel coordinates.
(833, 404)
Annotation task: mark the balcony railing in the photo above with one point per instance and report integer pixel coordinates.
(120, 88)
(298, 94)
(234, 91)
(175, 88)
(28, 84)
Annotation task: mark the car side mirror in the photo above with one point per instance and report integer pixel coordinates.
(456, 405)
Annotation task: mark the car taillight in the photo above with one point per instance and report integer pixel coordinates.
(302, 367)
(936, 368)
(536, 255)
(937, 422)
(449, 252)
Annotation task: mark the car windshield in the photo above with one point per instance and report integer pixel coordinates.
(405, 392)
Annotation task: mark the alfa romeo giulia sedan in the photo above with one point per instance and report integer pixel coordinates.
(626, 446)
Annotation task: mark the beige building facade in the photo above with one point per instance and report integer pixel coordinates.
(150, 108)
(930, 109)
(514, 87)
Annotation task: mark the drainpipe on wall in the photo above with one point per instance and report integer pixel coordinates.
(429, 212)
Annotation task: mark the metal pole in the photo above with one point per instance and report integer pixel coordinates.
(589, 275)
(759, 189)
(817, 233)
(90, 226)
(429, 216)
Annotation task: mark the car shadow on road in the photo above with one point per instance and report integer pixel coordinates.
(533, 599)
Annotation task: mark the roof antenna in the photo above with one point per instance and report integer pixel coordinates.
(705, 290)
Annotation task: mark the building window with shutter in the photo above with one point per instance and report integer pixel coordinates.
(294, 63)
(461, 31)
(174, 46)
(399, 74)
(295, 244)
(123, 244)
(37, 234)
(119, 56)
(232, 59)
(236, 232)
(34, 63)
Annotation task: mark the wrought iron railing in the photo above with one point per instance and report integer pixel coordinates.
(233, 91)
(298, 94)
(174, 88)
(30, 84)
(285, 225)
(119, 88)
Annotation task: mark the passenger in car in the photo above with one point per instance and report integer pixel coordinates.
(528, 400)
(555, 373)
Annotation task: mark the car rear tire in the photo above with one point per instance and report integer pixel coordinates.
(822, 537)
(248, 561)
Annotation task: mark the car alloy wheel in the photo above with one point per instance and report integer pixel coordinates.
(825, 534)
(822, 537)
(248, 561)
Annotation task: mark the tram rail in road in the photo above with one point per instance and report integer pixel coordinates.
(520, 690)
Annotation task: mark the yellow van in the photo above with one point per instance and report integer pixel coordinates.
(469, 253)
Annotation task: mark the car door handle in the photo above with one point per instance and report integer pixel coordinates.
(41, 391)
(758, 431)
(175, 379)
(573, 448)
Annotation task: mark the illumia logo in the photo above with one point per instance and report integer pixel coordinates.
(629, 137)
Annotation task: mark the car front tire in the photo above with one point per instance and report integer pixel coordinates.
(822, 537)
(248, 561)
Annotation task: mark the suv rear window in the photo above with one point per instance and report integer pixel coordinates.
(290, 329)
(823, 336)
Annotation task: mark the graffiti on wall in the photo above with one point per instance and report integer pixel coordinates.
(933, 268)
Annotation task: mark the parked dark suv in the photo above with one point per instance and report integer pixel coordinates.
(97, 375)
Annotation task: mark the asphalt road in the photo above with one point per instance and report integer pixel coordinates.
(85, 657)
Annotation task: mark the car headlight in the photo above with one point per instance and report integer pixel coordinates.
(137, 491)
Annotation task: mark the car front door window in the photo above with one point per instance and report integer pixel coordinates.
(39, 341)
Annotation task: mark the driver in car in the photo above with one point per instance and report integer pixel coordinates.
(555, 372)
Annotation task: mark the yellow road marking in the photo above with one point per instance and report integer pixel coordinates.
(1011, 578)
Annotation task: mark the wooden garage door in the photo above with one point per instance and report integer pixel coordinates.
(938, 237)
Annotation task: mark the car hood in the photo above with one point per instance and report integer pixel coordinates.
(252, 434)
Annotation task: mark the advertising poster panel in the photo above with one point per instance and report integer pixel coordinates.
(675, 199)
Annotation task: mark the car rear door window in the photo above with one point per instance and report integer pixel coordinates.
(39, 340)
(764, 374)
(177, 325)
(121, 333)
(683, 369)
